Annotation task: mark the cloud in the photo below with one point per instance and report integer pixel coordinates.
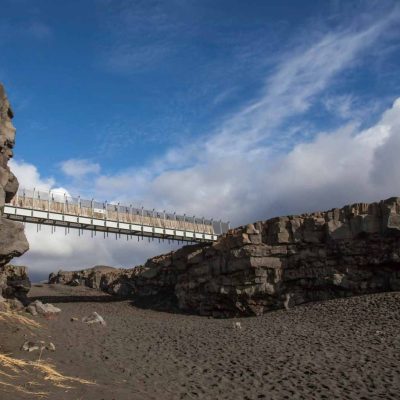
(335, 168)
(338, 167)
(79, 168)
(29, 177)
(51, 251)
(151, 22)
(258, 163)
(301, 75)
(227, 172)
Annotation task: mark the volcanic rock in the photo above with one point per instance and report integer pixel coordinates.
(281, 262)
(13, 242)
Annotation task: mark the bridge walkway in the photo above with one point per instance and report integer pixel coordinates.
(55, 209)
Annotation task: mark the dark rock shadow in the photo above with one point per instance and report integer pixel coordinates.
(167, 303)
(75, 299)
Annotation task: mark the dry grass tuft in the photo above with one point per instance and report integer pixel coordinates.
(40, 370)
(13, 317)
(34, 375)
(56, 378)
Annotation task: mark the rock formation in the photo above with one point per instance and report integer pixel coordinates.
(272, 264)
(13, 242)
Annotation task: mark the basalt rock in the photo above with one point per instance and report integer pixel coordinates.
(276, 263)
(13, 242)
(14, 282)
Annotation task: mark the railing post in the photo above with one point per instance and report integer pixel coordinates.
(105, 210)
(48, 202)
(33, 199)
(153, 223)
(92, 206)
(79, 205)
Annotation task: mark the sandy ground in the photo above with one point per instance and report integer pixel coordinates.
(341, 349)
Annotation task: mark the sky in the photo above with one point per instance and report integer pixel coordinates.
(230, 110)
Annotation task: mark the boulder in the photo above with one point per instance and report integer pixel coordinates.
(94, 318)
(14, 282)
(13, 242)
(278, 263)
(44, 309)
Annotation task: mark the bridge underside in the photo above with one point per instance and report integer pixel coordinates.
(95, 225)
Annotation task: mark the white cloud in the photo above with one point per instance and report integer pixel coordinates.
(50, 252)
(335, 168)
(79, 168)
(302, 74)
(344, 166)
(29, 177)
(237, 173)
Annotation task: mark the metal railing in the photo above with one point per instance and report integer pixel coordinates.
(55, 202)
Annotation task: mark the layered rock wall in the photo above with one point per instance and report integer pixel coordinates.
(13, 242)
(271, 264)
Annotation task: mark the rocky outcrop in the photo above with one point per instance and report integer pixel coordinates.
(272, 264)
(14, 282)
(13, 242)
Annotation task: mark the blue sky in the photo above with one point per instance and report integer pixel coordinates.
(231, 109)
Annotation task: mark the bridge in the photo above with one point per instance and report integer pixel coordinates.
(60, 210)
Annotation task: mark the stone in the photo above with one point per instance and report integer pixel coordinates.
(337, 230)
(30, 346)
(295, 259)
(15, 305)
(251, 230)
(237, 325)
(14, 282)
(13, 242)
(31, 310)
(45, 309)
(286, 302)
(51, 347)
(94, 318)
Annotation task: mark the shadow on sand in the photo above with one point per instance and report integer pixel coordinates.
(75, 299)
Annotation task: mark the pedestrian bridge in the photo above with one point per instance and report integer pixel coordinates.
(61, 210)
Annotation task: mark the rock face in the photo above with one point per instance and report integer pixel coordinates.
(272, 264)
(13, 242)
(14, 282)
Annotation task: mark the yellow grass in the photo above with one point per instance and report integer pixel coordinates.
(13, 317)
(41, 370)
(34, 373)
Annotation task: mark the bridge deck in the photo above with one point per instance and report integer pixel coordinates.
(60, 210)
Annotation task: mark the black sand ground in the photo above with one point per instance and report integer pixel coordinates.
(341, 349)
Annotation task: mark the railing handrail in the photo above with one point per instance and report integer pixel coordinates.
(52, 198)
